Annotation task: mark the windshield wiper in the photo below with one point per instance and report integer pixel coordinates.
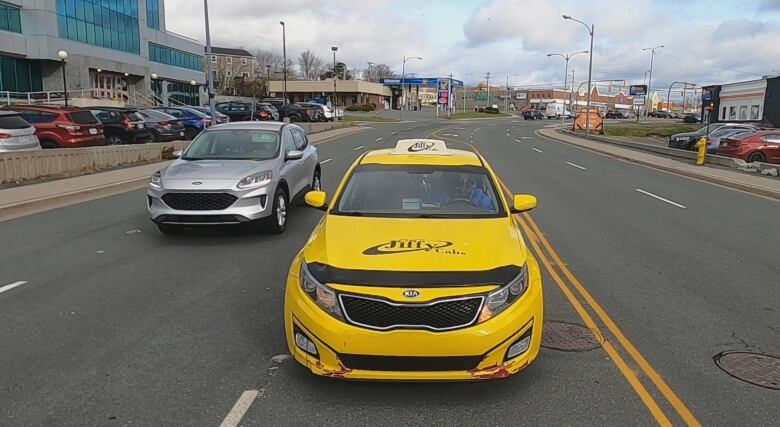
(352, 213)
(431, 216)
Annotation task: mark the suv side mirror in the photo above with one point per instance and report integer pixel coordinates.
(316, 199)
(176, 154)
(293, 155)
(523, 203)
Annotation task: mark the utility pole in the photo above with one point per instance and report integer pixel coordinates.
(284, 56)
(209, 75)
(506, 99)
(334, 49)
(487, 83)
(571, 93)
(449, 98)
(650, 79)
(369, 69)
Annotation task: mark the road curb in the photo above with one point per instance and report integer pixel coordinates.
(677, 171)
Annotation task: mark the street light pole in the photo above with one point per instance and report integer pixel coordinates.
(591, 29)
(334, 49)
(209, 75)
(565, 77)
(650, 80)
(403, 81)
(63, 56)
(284, 58)
(267, 79)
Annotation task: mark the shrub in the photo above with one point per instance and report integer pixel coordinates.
(354, 108)
(490, 110)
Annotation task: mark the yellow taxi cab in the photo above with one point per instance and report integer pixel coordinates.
(417, 271)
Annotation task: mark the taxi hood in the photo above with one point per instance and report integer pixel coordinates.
(412, 251)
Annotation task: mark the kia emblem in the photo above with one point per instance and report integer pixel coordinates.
(411, 293)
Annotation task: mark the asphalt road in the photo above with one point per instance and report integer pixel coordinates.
(118, 324)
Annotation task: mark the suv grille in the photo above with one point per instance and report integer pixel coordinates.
(199, 201)
(439, 315)
(409, 363)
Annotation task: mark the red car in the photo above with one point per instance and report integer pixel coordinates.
(762, 146)
(63, 127)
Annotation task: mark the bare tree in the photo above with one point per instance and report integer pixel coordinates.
(276, 61)
(378, 71)
(311, 65)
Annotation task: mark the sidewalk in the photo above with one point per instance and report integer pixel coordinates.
(753, 184)
(32, 198)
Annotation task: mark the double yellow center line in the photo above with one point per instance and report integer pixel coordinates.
(566, 280)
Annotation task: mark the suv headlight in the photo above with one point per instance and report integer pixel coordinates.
(256, 180)
(324, 296)
(156, 180)
(500, 299)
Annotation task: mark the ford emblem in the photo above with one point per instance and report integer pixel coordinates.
(197, 183)
(411, 293)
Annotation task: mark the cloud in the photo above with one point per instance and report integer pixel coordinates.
(769, 5)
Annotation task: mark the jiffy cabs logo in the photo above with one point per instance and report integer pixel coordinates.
(422, 146)
(413, 245)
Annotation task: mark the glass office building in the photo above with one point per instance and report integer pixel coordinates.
(175, 57)
(10, 19)
(107, 23)
(153, 14)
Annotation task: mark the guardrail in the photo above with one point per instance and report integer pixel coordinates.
(66, 162)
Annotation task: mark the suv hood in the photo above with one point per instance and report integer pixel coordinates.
(214, 169)
(373, 251)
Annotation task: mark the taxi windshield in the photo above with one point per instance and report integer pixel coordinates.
(419, 192)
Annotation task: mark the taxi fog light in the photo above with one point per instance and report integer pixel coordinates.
(304, 343)
(519, 347)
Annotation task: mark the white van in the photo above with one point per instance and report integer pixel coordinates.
(555, 111)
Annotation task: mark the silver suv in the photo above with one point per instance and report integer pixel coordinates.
(245, 172)
(16, 134)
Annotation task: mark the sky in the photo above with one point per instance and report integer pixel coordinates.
(705, 42)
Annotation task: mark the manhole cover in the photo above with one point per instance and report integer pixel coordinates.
(760, 369)
(569, 337)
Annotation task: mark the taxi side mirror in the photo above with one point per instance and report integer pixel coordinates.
(523, 203)
(316, 199)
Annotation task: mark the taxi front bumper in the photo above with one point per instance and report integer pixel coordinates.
(472, 353)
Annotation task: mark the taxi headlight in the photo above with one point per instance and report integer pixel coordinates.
(324, 296)
(500, 299)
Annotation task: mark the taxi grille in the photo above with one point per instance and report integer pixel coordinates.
(439, 315)
(199, 201)
(409, 363)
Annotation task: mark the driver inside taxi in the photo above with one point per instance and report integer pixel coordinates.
(451, 188)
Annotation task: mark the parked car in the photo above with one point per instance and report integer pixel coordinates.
(242, 111)
(660, 114)
(324, 113)
(723, 133)
(57, 126)
(164, 127)
(615, 114)
(270, 109)
(761, 146)
(688, 140)
(194, 121)
(243, 172)
(294, 112)
(691, 118)
(221, 118)
(122, 125)
(532, 114)
(16, 133)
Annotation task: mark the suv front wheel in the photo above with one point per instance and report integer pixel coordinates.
(277, 222)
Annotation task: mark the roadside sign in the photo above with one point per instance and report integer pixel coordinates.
(521, 95)
(444, 92)
(637, 90)
(639, 100)
(596, 120)
(706, 95)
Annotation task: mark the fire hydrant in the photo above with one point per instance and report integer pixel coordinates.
(701, 155)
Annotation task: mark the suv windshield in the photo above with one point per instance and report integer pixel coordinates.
(420, 192)
(234, 144)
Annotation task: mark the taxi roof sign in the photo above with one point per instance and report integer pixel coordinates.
(421, 146)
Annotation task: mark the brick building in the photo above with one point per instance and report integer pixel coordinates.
(232, 69)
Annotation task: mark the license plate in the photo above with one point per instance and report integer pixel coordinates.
(92, 131)
(724, 144)
(140, 125)
(181, 133)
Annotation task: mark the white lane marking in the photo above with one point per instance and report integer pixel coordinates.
(132, 231)
(537, 150)
(358, 147)
(393, 133)
(507, 134)
(526, 137)
(326, 161)
(475, 130)
(449, 134)
(517, 140)
(379, 139)
(11, 286)
(575, 165)
(239, 409)
(407, 130)
(279, 358)
(458, 128)
(659, 198)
